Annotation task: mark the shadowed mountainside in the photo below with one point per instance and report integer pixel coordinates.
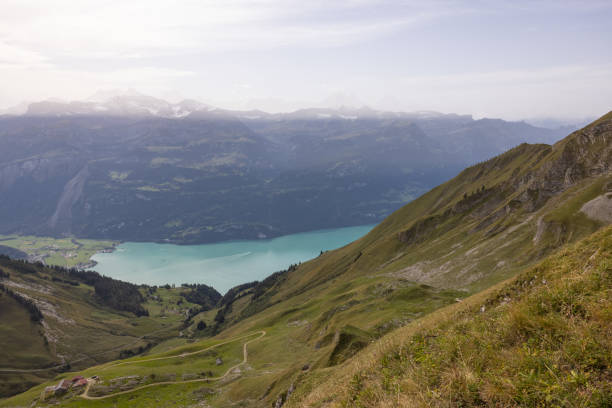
(487, 230)
(137, 168)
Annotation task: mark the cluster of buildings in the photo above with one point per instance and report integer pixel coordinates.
(63, 387)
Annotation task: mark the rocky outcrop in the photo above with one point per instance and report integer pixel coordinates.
(282, 398)
(543, 172)
(599, 208)
(71, 194)
(38, 169)
(421, 229)
(477, 204)
(585, 153)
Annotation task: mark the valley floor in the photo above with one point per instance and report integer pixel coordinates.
(67, 252)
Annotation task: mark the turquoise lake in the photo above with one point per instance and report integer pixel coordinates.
(220, 265)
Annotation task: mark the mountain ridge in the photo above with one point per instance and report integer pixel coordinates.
(495, 348)
(213, 175)
(521, 167)
(455, 245)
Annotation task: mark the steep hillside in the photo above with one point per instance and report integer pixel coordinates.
(136, 168)
(491, 221)
(312, 321)
(539, 339)
(53, 320)
(480, 227)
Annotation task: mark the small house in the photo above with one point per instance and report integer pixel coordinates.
(79, 383)
(47, 392)
(62, 387)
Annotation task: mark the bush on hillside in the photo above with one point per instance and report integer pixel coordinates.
(203, 295)
(120, 295)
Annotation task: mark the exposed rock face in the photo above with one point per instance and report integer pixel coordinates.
(585, 153)
(536, 198)
(39, 170)
(34, 187)
(599, 208)
(546, 172)
(71, 194)
(421, 229)
(424, 227)
(282, 398)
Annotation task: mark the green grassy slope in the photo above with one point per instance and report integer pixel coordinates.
(449, 244)
(77, 329)
(459, 236)
(539, 339)
(454, 241)
(16, 327)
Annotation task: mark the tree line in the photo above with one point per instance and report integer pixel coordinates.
(35, 313)
(119, 295)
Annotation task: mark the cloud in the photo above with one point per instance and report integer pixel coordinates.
(563, 91)
(449, 55)
(19, 57)
(147, 28)
(47, 81)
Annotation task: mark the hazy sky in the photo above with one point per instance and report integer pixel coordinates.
(509, 59)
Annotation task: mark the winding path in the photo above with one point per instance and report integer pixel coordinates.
(245, 354)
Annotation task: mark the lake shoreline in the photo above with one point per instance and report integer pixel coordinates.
(230, 241)
(221, 265)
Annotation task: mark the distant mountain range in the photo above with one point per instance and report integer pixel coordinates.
(492, 289)
(128, 166)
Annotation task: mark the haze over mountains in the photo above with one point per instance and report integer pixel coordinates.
(493, 289)
(129, 166)
(305, 204)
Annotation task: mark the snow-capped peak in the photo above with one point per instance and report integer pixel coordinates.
(118, 103)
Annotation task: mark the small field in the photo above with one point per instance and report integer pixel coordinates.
(180, 375)
(68, 252)
(76, 331)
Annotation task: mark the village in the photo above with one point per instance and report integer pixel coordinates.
(75, 385)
